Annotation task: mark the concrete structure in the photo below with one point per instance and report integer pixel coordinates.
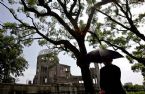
(40, 89)
(51, 78)
(49, 71)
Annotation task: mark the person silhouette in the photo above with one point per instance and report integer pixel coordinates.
(110, 75)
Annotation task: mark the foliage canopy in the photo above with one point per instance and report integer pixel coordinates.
(12, 64)
(68, 24)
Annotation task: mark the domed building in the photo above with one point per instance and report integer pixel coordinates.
(50, 71)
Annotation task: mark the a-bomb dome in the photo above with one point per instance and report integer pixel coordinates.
(45, 51)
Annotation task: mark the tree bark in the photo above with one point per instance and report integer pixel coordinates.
(86, 76)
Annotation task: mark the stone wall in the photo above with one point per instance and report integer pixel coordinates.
(40, 89)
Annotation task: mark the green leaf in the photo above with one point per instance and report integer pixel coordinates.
(42, 42)
(141, 16)
(10, 25)
(138, 67)
(31, 2)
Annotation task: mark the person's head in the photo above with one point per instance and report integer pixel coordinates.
(107, 61)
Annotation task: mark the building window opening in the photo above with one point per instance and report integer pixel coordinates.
(81, 82)
(45, 80)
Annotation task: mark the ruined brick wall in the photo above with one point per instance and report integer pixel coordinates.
(40, 89)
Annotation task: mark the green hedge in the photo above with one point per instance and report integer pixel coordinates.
(140, 92)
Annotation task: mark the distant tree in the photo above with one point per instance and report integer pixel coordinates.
(134, 88)
(128, 86)
(12, 64)
(138, 67)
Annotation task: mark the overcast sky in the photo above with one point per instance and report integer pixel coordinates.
(31, 53)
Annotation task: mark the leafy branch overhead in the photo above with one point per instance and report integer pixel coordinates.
(65, 12)
(121, 28)
(66, 18)
(68, 25)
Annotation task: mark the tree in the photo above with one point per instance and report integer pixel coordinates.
(66, 24)
(12, 64)
(59, 23)
(123, 22)
(121, 28)
(139, 67)
(137, 89)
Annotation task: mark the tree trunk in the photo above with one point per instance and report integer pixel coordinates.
(86, 76)
(83, 63)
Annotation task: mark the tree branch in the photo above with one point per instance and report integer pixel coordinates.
(94, 8)
(66, 43)
(69, 15)
(79, 11)
(33, 10)
(133, 27)
(140, 60)
(72, 6)
(53, 14)
(89, 20)
(113, 20)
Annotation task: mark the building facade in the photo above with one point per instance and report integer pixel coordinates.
(50, 71)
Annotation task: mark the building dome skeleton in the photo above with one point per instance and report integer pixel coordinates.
(45, 51)
(57, 73)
